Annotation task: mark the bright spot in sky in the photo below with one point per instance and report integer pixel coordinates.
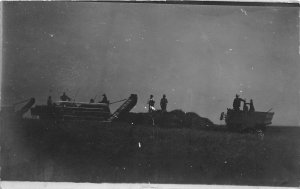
(229, 51)
(252, 68)
(51, 35)
(241, 91)
(128, 39)
(140, 145)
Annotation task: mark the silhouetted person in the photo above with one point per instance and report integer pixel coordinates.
(92, 100)
(64, 97)
(245, 107)
(237, 103)
(151, 103)
(163, 103)
(104, 99)
(251, 106)
(49, 101)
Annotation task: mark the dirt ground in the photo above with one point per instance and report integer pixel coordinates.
(32, 150)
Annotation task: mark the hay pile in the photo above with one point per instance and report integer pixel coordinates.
(172, 119)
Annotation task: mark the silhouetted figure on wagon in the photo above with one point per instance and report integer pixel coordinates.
(245, 107)
(49, 101)
(163, 103)
(104, 99)
(237, 103)
(251, 106)
(151, 103)
(64, 97)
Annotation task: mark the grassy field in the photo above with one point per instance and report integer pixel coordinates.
(121, 152)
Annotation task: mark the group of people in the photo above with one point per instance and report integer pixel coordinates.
(237, 104)
(151, 102)
(163, 104)
(104, 100)
(65, 98)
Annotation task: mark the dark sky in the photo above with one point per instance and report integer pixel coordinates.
(199, 56)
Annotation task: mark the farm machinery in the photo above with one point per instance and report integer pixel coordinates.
(247, 121)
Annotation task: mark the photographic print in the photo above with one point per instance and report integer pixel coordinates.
(119, 92)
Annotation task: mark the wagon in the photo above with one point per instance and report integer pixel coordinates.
(244, 121)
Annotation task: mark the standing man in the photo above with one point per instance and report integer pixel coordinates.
(237, 103)
(245, 107)
(163, 103)
(104, 99)
(251, 106)
(151, 103)
(64, 97)
(49, 101)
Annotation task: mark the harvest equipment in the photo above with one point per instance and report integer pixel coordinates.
(247, 121)
(67, 110)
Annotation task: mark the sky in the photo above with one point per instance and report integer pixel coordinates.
(200, 56)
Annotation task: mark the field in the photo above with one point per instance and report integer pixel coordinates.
(124, 153)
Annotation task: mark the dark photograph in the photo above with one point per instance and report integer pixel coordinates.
(163, 93)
